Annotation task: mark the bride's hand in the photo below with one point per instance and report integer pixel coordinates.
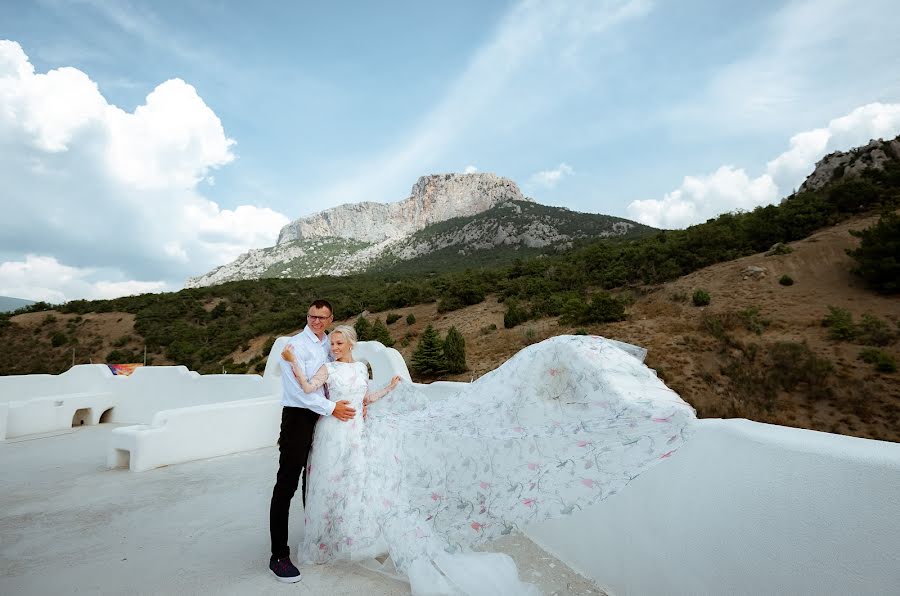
(288, 353)
(394, 382)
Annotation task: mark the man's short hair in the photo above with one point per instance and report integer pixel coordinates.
(322, 304)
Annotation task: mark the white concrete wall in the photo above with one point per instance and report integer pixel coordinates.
(151, 389)
(45, 414)
(746, 508)
(81, 378)
(198, 432)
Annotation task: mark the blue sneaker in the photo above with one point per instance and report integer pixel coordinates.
(284, 570)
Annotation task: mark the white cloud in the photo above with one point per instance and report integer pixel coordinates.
(470, 169)
(45, 278)
(550, 178)
(701, 197)
(727, 189)
(104, 189)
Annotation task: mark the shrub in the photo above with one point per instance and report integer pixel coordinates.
(363, 329)
(268, 347)
(428, 358)
(873, 331)
(410, 319)
(701, 298)
(392, 318)
(58, 339)
(883, 361)
(487, 329)
(515, 314)
(455, 351)
(779, 248)
(840, 324)
(679, 297)
(752, 320)
(380, 333)
(786, 280)
(603, 308)
(581, 331)
(878, 255)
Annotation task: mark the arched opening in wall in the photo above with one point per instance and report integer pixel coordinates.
(105, 416)
(81, 417)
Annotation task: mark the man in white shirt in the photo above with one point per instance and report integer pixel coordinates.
(298, 421)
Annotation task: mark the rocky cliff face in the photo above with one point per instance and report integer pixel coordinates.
(850, 164)
(433, 199)
(459, 214)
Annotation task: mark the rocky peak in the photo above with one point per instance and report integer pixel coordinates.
(844, 164)
(433, 198)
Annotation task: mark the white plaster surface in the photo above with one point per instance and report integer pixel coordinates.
(70, 526)
(746, 508)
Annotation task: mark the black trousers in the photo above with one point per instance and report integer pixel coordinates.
(294, 443)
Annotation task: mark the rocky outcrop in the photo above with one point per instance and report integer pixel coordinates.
(433, 199)
(849, 164)
(460, 213)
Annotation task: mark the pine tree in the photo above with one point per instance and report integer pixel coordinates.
(380, 333)
(363, 329)
(455, 351)
(428, 358)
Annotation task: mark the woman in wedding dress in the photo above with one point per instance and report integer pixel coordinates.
(560, 426)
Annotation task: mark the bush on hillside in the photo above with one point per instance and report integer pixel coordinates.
(602, 308)
(380, 333)
(878, 255)
(410, 319)
(455, 352)
(701, 298)
(515, 314)
(786, 280)
(392, 318)
(883, 361)
(363, 329)
(428, 357)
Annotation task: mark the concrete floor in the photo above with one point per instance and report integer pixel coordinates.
(70, 526)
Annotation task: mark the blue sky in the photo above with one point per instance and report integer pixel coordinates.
(143, 142)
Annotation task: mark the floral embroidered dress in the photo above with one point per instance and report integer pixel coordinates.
(337, 520)
(560, 426)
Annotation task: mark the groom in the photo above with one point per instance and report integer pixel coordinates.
(298, 421)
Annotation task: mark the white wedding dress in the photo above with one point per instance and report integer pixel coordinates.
(562, 425)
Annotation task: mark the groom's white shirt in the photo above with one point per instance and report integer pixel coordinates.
(311, 353)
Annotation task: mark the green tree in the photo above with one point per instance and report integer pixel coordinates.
(878, 255)
(455, 351)
(379, 332)
(363, 329)
(428, 358)
(410, 319)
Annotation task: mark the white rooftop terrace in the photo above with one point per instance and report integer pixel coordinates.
(70, 525)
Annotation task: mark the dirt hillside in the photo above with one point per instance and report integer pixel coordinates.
(758, 350)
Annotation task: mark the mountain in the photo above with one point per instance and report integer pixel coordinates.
(8, 304)
(853, 163)
(448, 221)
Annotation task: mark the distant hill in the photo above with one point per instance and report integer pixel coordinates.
(8, 304)
(449, 222)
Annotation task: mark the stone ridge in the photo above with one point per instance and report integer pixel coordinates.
(850, 164)
(433, 199)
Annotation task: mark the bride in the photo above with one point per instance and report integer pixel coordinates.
(560, 426)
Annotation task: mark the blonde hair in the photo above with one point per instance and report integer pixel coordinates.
(348, 332)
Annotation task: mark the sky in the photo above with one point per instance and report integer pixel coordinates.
(145, 142)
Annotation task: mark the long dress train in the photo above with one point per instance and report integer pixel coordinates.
(561, 425)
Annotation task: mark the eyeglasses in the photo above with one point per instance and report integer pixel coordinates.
(317, 318)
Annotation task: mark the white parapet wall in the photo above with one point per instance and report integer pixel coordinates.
(198, 432)
(745, 508)
(152, 389)
(82, 378)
